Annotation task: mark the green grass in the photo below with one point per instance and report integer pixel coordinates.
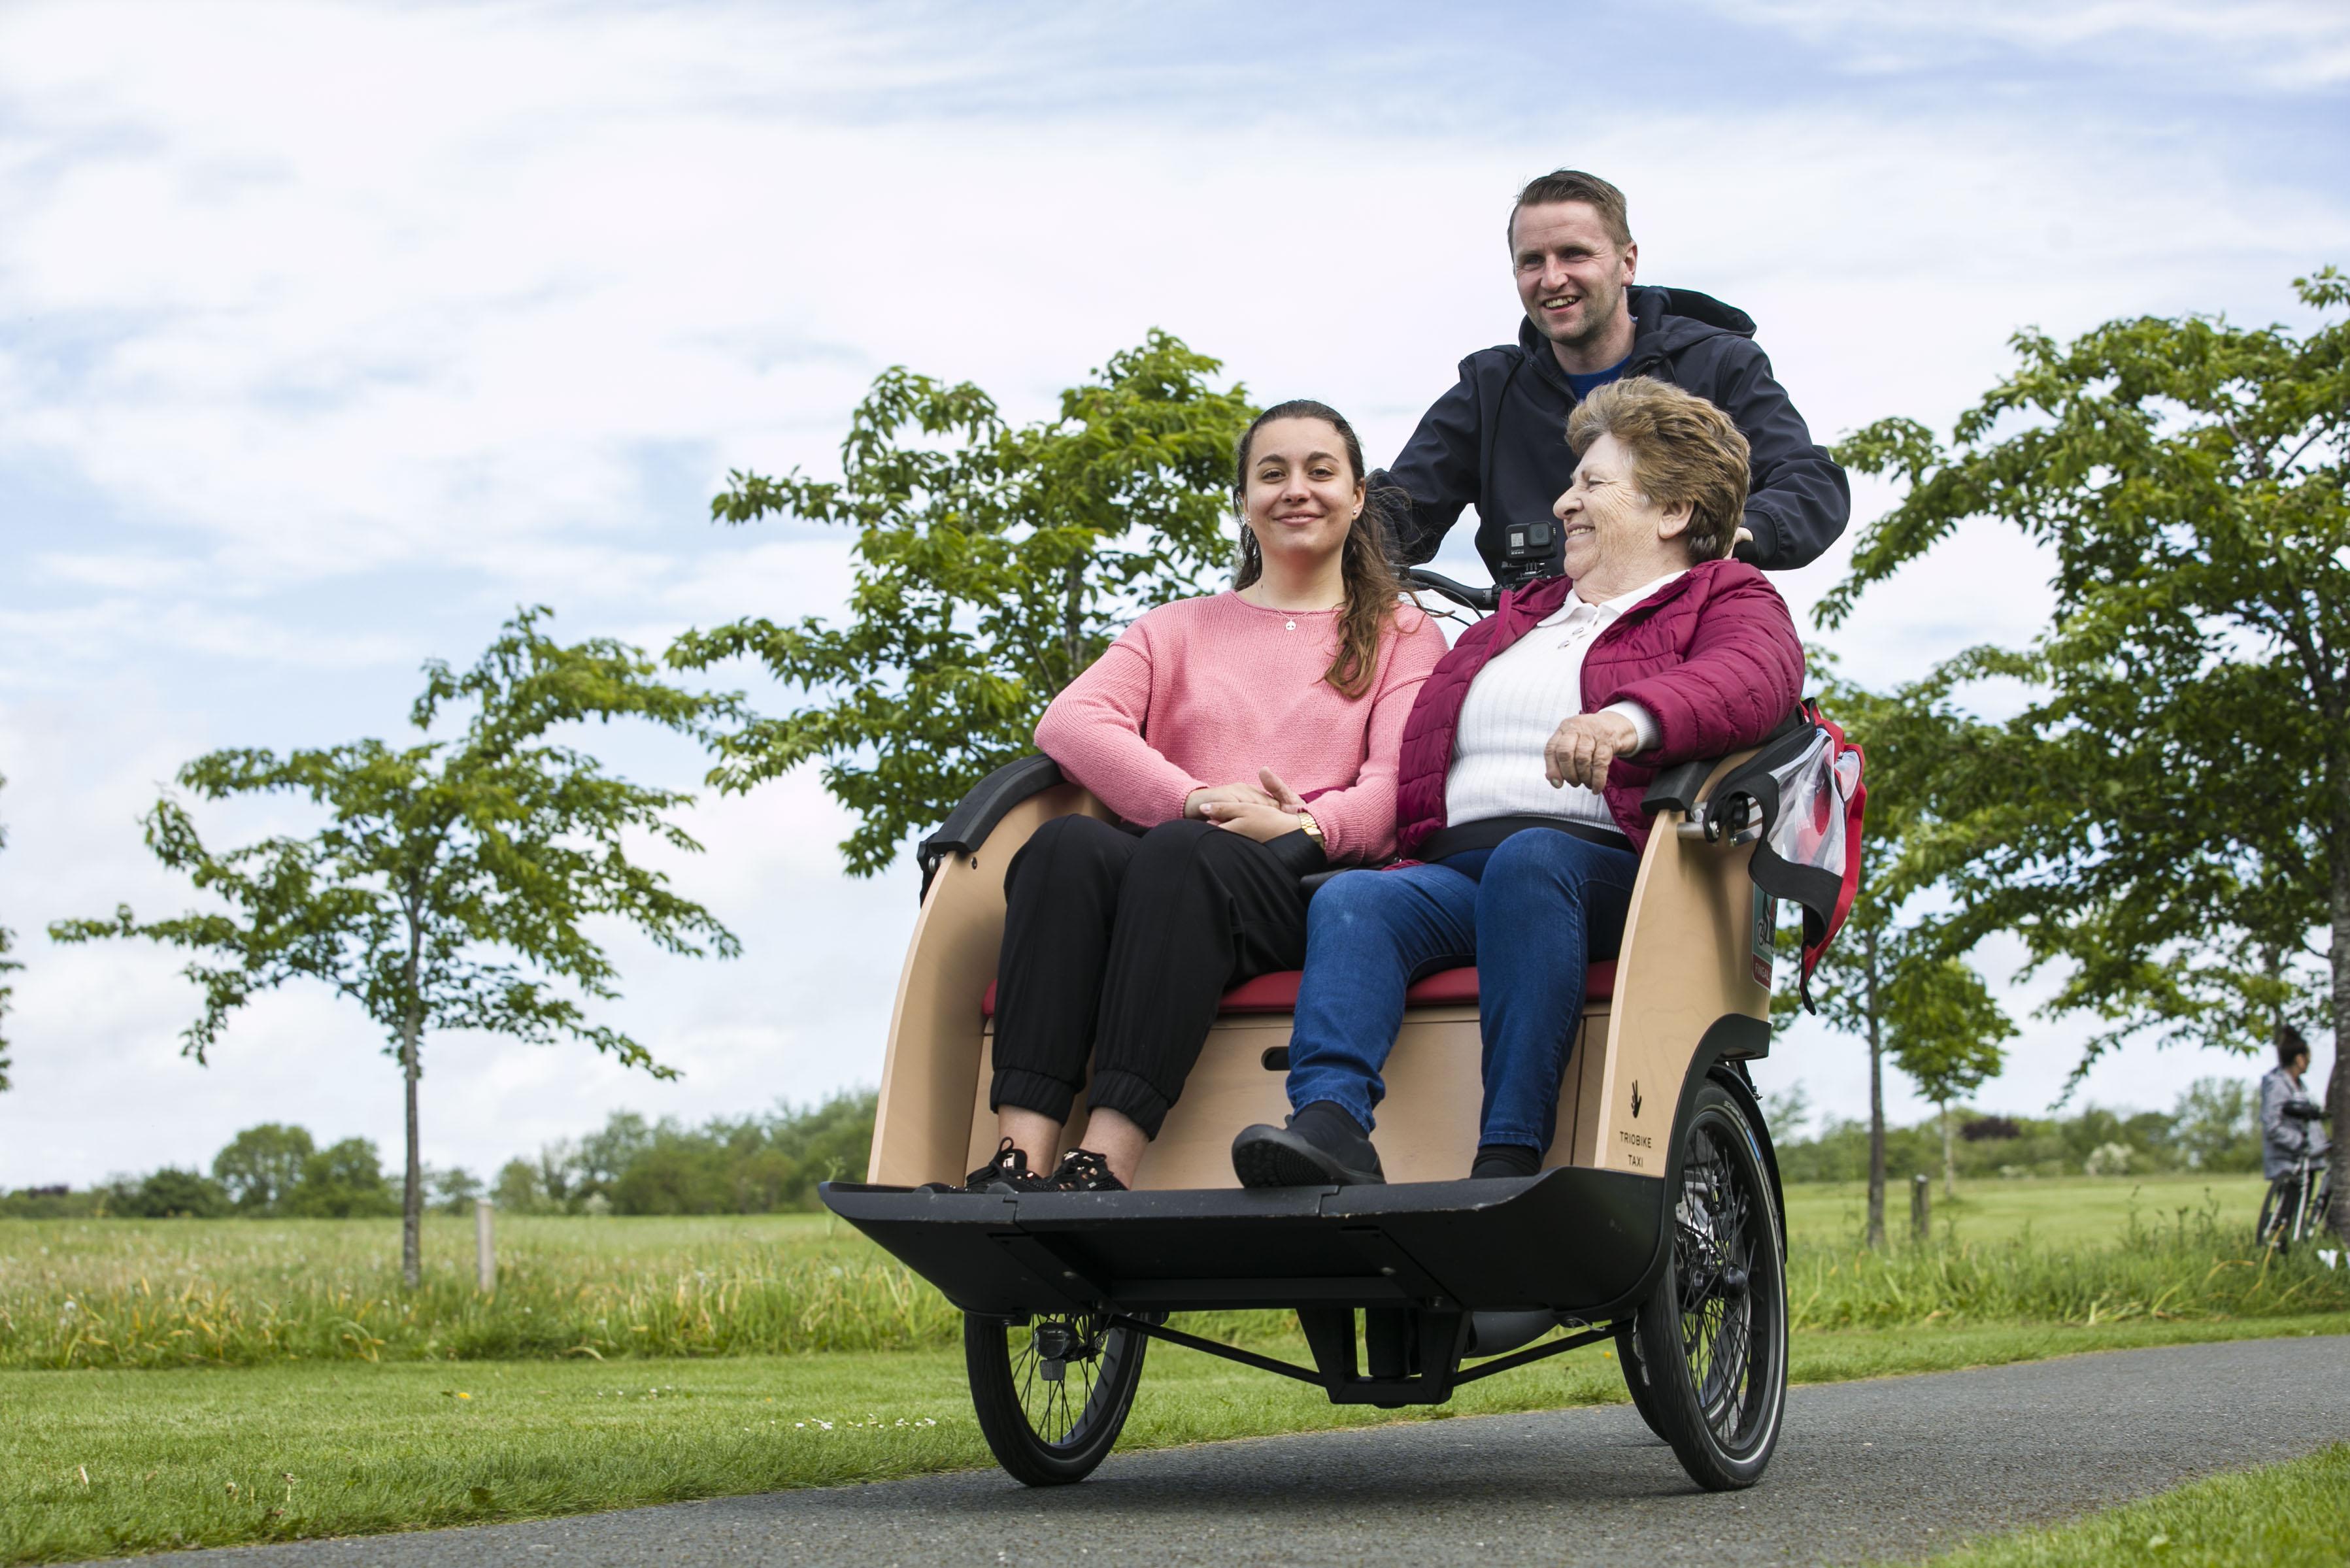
(413, 1445)
(2294, 1515)
(2058, 1211)
(165, 1294)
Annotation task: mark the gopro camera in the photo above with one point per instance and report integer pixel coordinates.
(1531, 550)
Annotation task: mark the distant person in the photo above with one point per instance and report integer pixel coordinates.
(1497, 439)
(1246, 739)
(2291, 1123)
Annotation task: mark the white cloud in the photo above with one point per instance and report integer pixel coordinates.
(2301, 45)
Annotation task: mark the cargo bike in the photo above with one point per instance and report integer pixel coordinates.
(1657, 1221)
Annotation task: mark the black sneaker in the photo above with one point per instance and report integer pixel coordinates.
(1321, 1147)
(1080, 1171)
(1009, 1163)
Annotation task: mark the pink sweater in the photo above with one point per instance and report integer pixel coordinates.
(1205, 691)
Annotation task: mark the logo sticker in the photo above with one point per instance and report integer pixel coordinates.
(1635, 1098)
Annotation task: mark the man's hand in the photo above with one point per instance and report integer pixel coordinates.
(1263, 822)
(1195, 805)
(1580, 750)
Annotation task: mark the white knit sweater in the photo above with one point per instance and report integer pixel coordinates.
(1521, 696)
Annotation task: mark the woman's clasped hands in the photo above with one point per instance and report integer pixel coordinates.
(1263, 811)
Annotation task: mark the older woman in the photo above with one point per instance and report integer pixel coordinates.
(1522, 766)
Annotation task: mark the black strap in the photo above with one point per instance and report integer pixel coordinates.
(1460, 838)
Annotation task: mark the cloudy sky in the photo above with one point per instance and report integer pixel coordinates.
(329, 334)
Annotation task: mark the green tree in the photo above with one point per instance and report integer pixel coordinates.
(2168, 820)
(992, 563)
(1878, 982)
(1946, 1036)
(455, 1189)
(7, 966)
(2216, 1126)
(171, 1194)
(453, 883)
(520, 1190)
(342, 1182)
(260, 1165)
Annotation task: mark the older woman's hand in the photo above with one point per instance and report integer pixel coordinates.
(1580, 750)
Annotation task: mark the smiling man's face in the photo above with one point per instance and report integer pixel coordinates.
(1571, 276)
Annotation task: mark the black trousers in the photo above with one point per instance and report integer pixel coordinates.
(1117, 947)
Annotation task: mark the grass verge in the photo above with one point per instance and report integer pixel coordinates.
(102, 1463)
(2294, 1515)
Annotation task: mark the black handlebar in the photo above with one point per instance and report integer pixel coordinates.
(1482, 601)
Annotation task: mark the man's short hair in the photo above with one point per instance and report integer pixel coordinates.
(1574, 185)
(2289, 1045)
(1682, 449)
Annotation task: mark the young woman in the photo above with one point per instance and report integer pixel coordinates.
(1246, 739)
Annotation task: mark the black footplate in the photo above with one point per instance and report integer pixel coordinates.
(1575, 1241)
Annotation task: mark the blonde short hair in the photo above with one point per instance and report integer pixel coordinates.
(1682, 449)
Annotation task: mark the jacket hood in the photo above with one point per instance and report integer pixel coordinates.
(1664, 322)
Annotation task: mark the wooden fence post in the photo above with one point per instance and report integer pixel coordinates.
(1922, 1201)
(486, 1260)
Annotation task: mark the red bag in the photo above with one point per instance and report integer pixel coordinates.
(1802, 797)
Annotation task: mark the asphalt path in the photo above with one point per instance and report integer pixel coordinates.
(1895, 1468)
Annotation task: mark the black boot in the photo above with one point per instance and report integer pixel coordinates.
(1321, 1147)
(1505, 1159)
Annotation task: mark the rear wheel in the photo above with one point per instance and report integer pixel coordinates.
(1051, 1394)
(1713, 1336)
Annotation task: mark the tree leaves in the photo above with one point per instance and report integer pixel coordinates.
(991, 563)
(2168, 821)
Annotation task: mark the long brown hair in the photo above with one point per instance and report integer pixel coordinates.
(1372, 587)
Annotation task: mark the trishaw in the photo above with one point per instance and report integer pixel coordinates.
(1657, 1221)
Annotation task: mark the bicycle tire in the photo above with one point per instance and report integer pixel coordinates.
(1039, 1433)
(1717, 1320)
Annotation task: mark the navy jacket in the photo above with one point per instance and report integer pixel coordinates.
(1497, 441)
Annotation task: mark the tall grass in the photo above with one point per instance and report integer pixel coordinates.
(124, 1294)
(2192, 1268)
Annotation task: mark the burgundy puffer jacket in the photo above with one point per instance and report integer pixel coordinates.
(1713, 654)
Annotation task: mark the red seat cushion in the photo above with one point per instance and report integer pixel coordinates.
(1278, 992)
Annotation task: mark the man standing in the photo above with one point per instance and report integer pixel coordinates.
(1498, 439)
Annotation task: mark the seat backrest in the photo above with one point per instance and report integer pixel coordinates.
(1688, 958)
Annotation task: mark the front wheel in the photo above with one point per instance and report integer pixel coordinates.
(1713, 1334)
(1636, 1376)
(1052, 1394)
(2285, 1212)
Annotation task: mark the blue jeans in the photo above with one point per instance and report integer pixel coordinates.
(1530, 915)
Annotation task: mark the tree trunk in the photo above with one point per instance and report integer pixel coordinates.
(412, 1198)
(1875, 1105)
(1949, 1155)
(2338, 1089)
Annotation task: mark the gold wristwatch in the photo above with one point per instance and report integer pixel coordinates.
(1311, 828)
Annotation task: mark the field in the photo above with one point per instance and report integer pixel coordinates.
(106, 1293)
(633, 1361)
